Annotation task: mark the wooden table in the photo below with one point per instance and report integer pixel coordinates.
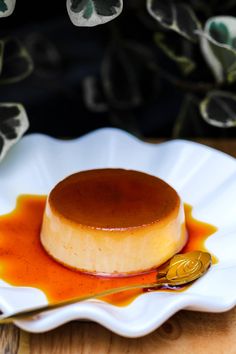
(186, 332)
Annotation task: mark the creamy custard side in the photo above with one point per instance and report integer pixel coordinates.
(113, 221)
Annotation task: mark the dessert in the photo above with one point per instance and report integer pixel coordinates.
(113, 221)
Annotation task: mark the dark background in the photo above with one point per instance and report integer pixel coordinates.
(65, 55)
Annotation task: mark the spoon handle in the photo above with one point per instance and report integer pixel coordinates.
(33, 312)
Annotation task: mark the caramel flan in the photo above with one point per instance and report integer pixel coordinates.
(113, 221)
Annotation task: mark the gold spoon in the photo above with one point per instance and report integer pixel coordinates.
(180, 270)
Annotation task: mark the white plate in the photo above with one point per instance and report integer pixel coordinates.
(204, 178)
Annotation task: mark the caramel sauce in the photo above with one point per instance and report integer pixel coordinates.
(113, 198)
(24, 262)
(198, 233)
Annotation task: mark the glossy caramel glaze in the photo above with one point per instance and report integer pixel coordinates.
(113, 199)
(25, 263)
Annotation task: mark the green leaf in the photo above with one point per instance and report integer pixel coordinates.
(219, 109)
(218, 47)
(17, 62)
(220, 57)
(3, 6)
(13, 124)
(175, 16)
(93, 12)
(219, 32)
(188, 122)
(119, 79)
(185, 63)
(129, 75)
(234, 42)
(93, 94)
(104, 8)
(6, 7)
(227, 58)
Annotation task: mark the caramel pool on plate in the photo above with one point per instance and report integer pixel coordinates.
(113, 222)
(24, 261)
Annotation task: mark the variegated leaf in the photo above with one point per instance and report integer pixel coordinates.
(13, 124)
(175, 16)
(219, 109)
(17, 62)
(120, 82)
(93, 12)
(7, 7)
(93, 94)
(129, 75)
(218, 44)
(186, 64)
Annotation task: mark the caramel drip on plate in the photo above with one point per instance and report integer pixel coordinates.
(23, 261)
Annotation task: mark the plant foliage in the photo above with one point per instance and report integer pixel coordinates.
(93, 12)
(15, 65)
(219, 109)
(186, 39)
(176, 16)
(6, 7)
(191, 35)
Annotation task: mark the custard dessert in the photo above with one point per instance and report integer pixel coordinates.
(113, 222)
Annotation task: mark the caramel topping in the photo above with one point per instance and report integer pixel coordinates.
(113, 198)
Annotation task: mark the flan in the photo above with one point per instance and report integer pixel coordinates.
(113, 222)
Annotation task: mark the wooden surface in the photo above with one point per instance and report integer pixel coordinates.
(186, 332)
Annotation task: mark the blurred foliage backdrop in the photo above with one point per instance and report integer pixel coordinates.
(159, 69)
